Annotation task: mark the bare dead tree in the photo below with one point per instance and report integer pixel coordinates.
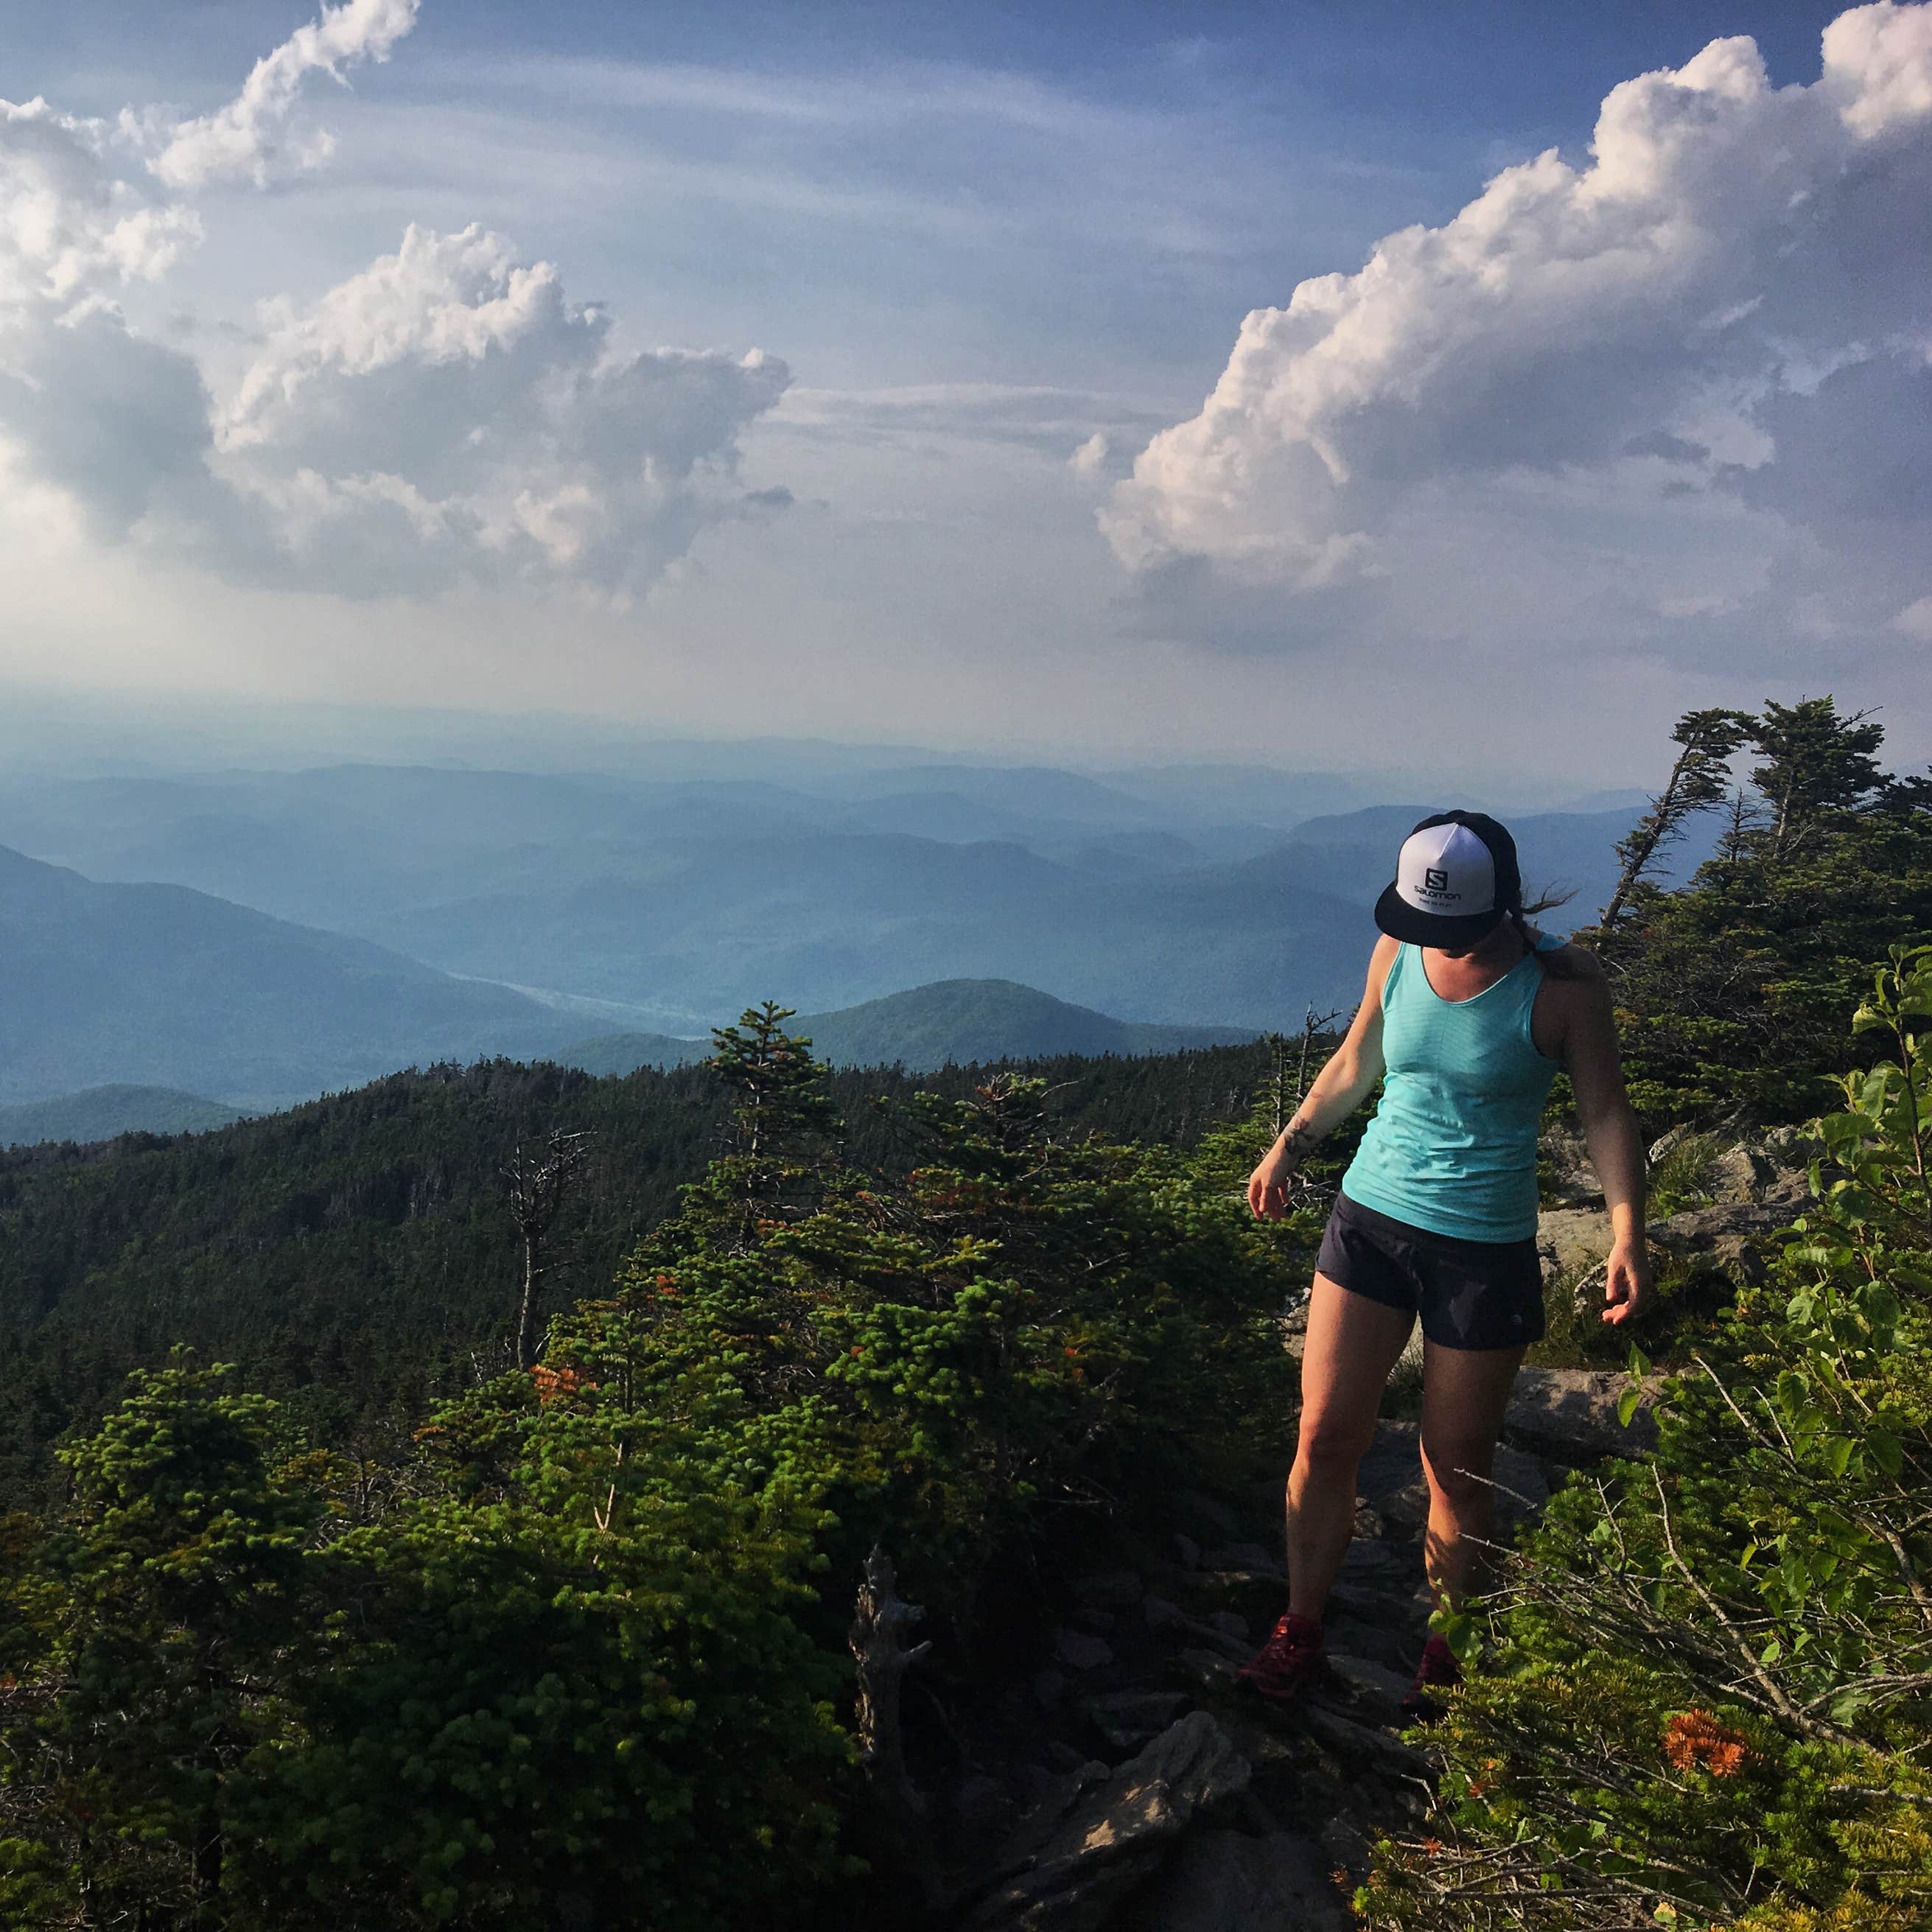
(877, 1642)
(538, 1184)
(1294, 1069)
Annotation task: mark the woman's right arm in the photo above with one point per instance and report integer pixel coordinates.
(1337, 1090)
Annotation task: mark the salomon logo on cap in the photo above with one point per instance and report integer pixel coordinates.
(1457, 879)
(1448, 870)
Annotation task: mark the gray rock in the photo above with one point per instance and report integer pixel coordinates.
(1391, 1475)
(1251, 1558)
(1066, 1786)
(1079, 1651)
(1789, 1152)
(983, 1810)
(1127, 1719)
(1571, 1414)
(1361, 1747)
(1393, 1640)
(1222, 1881)
(1116, 1836)
(1229, 1623)
(1187, 1552)
(1729, 1238)
(1771, 1166)
(1570, 1241)
(1294, 1329)
(1343, 1847)
(1366, 1604)
(1741, 1173)
(1109, 1590)
(1210, 1671)
(1100, 1622)
(1375, 1687)
(1389, 1569)
(1573, 1182)
(1205, 1509)
(1180, 1627)
(1048, 1687)
(1158, 1612)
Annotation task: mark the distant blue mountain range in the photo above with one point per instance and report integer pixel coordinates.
(254, 936)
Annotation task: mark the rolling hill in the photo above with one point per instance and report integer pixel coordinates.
(100, 1113)
(951, 1021)
(158, 985)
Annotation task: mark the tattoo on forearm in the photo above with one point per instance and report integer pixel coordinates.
(1298, 1137)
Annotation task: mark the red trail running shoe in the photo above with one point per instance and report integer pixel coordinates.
(1292, 1658)
(1437, 1670)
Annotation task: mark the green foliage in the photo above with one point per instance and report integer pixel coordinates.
(581, 1642)
(586, 1681)
(1731, 992)
(1680, 1177)
(354, 1258)
(1023, 1323)
(151, 1642)
(99, 1113)
(228, 1706)
(1711, 1680)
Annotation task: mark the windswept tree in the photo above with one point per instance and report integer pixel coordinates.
(1815, 764)
(1707, 741)
(1728, 989)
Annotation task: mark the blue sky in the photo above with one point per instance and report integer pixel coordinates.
(994, 259)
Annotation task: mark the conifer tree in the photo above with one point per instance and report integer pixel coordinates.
(783, 1124)
(1707, 742)
(1729, 989)
(1815, 764)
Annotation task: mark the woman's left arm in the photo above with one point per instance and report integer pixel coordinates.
(1610, 1132)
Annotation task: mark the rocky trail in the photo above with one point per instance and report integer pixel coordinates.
(1113, 1779)
(1118, 1780)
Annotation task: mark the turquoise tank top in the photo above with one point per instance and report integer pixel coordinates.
(1452, 1146)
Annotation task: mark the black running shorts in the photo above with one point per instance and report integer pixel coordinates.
(1470, 1294)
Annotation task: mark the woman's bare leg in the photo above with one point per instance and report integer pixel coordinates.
(1465, 1392)
(1351, 1346)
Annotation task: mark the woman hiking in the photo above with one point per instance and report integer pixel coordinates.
(1468, 1014)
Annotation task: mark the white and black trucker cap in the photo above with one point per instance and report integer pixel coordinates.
(1456, 881)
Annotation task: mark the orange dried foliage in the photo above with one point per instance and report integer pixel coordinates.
(557, 1384)
(1694, 1740)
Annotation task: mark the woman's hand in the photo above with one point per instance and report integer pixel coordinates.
(1267, 1186)
(1626, 1279)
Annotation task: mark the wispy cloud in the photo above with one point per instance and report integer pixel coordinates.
(244, 137)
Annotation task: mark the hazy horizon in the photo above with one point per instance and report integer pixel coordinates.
(731, 372)
(50, 730)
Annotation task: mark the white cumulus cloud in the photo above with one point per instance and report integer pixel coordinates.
(1730, 300)
(72, 224)
(242, 137)
(450, 409)
(446, 414)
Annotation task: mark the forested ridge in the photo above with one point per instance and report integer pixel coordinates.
(354, 1255)
(380, 1627)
